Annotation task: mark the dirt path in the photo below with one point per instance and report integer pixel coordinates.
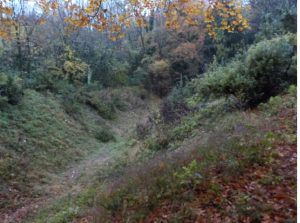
(74, 179)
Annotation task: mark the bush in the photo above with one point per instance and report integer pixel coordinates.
(275, 104)
(160, 81)
(118, 103)
(112, 73)
(271, 64)
(138, 76)
(174, 107)
(71, 100)
(222, 81)
(185, 60)
(75, 71)
(106, 102)
(145, 128)
(105, 108)
(173, 112)
(121, 74)
(157, 143)
(264, 71)
(11, 90)
(54, 74)
(181, 91)
(105, 135)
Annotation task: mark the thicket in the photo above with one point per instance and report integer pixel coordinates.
(153, 58)
(171, 180)
(77, 66)
(11, 90)
(265, 70)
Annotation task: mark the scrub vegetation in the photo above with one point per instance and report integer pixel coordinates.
(148, 111)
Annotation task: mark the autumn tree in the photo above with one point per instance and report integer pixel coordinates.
(115, 16)
(128, 31)
(19, 20)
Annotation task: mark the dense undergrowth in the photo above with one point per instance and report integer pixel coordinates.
(227, 149)
(158, 126)
(213, 152)
(263, 71)
(196, 144)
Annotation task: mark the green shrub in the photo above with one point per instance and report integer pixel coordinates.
(157, 143)
(138, 76)
(224, 81)
(118, 103)
(55, 74)
(172, 112)
(274, 104)
(49, 79)
(121, 74)
(11, 90)
(264, 71)
(65, 215)
(185, 128)
(106, 103)
(46, 79)
(271, 64)
(73, 69)
(188, 175)
(105, 135)
(207, 113)
(159, 80)
(71, 107)
(105, 109)
(292, 90)
(174, 106)
(71, 97)
(182, 90)
(112, 73)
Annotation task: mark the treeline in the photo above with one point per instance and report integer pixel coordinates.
(48, 56)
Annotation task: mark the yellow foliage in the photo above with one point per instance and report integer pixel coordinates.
(231, 16)
(178, 13)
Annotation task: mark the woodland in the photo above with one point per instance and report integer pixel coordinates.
(148, 111)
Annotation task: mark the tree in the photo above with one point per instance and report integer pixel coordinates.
(269, 18)
(116, 16)
(18, 24)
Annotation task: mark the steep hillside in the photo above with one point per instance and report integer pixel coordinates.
(44, 149)
(234, 167)
(237, 166)
(144, 111)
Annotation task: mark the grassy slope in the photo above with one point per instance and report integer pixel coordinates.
(38, 138)
(94, 175)
(238, 167)
(219, 172)
(39, 141)
(224, 146)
